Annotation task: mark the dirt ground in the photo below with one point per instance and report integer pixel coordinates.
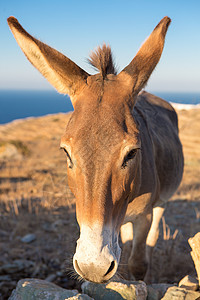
(35, 199)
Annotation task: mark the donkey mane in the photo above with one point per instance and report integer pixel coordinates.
(101, 59)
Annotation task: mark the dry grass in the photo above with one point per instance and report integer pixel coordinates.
(35, 198)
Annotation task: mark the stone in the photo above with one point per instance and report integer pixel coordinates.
(152, 294)
(195, 253)
(37, 289)
(5, 278)
(161, 288)
(16, 266)
(9, 151)
(51, 277)
(189, 283)
(177, 293)
(81, 297)
(9, 268)
(131, 290)
(28, 238)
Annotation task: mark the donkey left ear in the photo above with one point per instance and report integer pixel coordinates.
(143, 64)
(59, 70)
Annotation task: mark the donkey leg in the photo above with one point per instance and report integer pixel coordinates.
(126, 233)
(137, 263)
(152, 239)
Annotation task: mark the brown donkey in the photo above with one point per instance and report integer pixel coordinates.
(123, 152)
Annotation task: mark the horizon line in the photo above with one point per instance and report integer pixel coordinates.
(53, 90)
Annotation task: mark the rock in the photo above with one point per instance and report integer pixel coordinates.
(131, 290)
(28, 238)
(195, 253)
(58, 223)
(9, 268)
(36, 289)
(59, 273)
(152, 294)
(161, 288)
(189, 283)
(8, 151)
(3, 233)
(47, 227)
(51, 277)
(81, 297)
(5, 278)
(177, 293)
(16, 266)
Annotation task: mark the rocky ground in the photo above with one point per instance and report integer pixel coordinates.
(38, 229)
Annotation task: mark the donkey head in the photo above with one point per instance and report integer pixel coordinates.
(102, 141)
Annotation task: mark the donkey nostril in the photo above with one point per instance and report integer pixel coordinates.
(112, 265)
(77, 268)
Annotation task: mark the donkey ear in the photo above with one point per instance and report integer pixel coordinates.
(143, 64)
(59, 70)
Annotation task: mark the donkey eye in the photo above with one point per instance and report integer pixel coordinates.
(131, 154)
(70, 164)
(65, 151)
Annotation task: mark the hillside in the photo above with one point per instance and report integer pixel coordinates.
(35, 199)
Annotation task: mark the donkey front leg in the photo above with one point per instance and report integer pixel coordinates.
(137, 262)
(152, 239)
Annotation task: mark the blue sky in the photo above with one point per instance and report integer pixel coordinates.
(77, 27)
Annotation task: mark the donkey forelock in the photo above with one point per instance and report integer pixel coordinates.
(102, 60)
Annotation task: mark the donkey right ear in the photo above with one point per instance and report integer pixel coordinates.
(137, 73)
(60, 71)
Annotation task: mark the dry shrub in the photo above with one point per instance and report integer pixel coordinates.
(171, 261)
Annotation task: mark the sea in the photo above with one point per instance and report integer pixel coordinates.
(23, 104)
